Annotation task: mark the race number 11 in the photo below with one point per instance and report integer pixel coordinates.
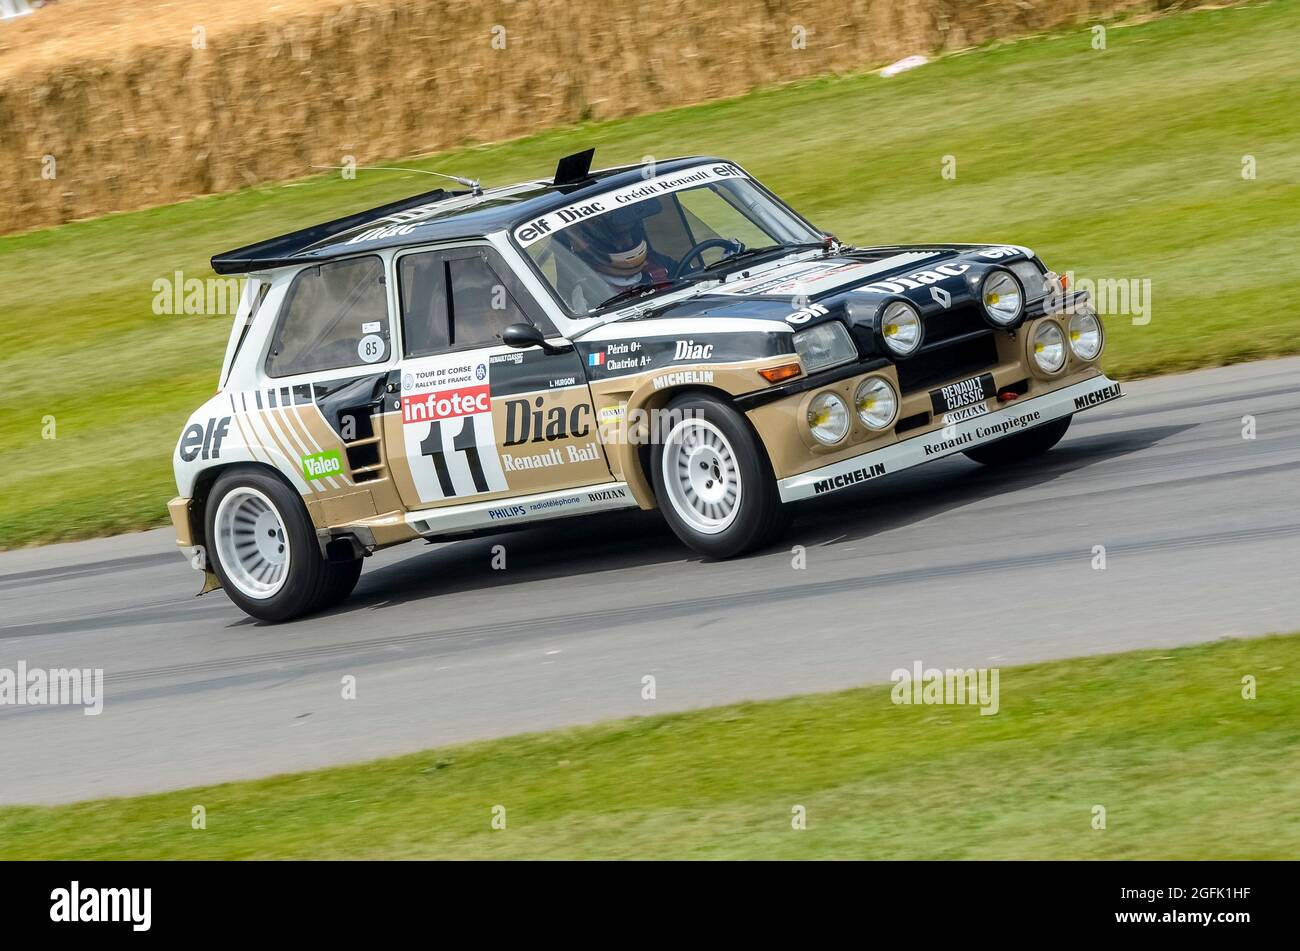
(464, 442)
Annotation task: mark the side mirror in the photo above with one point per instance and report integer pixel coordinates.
(521, 336)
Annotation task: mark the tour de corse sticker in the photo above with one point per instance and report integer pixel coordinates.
(371, 348)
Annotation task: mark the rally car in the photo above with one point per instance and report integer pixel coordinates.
(668, 337)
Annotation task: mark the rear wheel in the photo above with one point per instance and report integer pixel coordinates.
(713, 481)
(1026, 445)
(263, 547)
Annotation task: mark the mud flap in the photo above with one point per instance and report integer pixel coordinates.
(210, 582)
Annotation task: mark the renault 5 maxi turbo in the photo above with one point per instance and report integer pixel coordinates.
(670, 337)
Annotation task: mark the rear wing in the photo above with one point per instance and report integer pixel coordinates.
(287, 248)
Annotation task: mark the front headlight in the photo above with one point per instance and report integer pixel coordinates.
(876, 402)
(825, 345)
(1035, 283)
(1049, 347)
(1002, 297)
(828, 418)
(1085, 335)
(900, 328)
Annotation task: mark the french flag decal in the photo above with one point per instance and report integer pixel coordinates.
(595, 359)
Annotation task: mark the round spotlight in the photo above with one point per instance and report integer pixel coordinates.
(876, 403)
(1002, 297)
(900, 328)
(828, 418)
(1085, 335)
(1049, 347)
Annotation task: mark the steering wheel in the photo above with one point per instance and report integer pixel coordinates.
(696, 250)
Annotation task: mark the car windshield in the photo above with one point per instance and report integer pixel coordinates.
(658, 234)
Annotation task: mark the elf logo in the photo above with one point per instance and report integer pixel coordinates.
(805, 314)
(199, 439)
(690, 350)
(320, 465)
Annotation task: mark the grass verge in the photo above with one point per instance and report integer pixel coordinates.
(1124, 163)
(1184, 766)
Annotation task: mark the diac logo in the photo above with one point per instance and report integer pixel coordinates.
(690, 350)
(526, 424)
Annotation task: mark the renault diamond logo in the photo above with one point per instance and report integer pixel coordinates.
(941, 296)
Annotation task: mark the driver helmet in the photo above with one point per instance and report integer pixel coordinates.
(614, 244)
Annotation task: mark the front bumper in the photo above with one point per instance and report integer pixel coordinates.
(179, 510)
(1017, 417)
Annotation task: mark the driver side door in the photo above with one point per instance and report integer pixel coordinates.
(477, 420)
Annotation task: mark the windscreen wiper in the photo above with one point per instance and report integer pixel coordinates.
(765, 249)
(634, 292)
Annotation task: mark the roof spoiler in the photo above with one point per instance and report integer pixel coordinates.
(574, 169)
(277, 252)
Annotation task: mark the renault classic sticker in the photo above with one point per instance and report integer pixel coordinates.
(962, 393)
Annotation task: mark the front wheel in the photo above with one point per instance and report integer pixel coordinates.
(713, 481)
(1026, 445)
(263, 548)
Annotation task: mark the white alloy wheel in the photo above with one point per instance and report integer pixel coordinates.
(251, 543)
(701, 474)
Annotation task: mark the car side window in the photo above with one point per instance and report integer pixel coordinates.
(335, 315)
(464, 297)
(422, 283)
(481, 304)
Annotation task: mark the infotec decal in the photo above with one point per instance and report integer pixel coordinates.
(446, 404)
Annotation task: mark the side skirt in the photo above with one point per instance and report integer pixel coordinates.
(604, 497)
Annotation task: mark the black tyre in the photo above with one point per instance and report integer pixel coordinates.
(713, 480)
(263, 547)
(1025, 445)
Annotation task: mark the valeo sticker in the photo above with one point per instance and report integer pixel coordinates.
(321, 464)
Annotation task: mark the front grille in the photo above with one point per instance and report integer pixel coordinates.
(953, 361)
(953, 323)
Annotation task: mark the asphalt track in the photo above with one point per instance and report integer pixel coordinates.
(950, 564)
